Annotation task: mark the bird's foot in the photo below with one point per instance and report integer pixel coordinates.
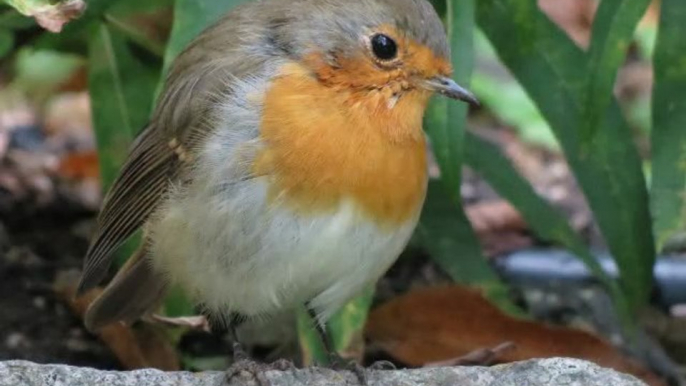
(382, 365)
(257, 370)
(339, 363)
(243, 365)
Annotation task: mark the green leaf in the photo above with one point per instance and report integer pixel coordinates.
(669, 123)
(506, 98)
(444, 230)
(613, 28)
(190, 18)
(121, 86)
(14, 20)
(311, 347)
(546, 222)
(346, 329)
(554, 73)
(446, 119)
(135, 34)
(347, 325)
(131, 7)
(6, 42)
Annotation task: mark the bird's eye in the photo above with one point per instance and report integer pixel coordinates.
(384, 47)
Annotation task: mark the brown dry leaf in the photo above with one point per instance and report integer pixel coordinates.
(438, 324)
(499, 226)
(141, 347)
(574, 16)
(494, 216)
(78, 166)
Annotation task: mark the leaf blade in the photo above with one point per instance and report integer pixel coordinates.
(444, 230)
(668, 137)
(120, 86)
(613, 28)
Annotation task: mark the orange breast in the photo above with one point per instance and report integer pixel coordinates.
(325, 145)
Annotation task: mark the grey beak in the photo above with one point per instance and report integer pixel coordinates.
(448, 87)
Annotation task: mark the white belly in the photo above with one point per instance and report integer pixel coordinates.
(236, 254)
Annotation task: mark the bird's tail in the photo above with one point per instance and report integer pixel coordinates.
(136, 290)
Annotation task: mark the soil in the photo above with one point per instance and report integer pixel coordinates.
(36, 244)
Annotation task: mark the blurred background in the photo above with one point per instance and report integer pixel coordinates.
(555, 223)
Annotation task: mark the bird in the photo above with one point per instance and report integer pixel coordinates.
(285, 163)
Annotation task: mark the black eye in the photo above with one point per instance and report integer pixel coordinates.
(384, 47)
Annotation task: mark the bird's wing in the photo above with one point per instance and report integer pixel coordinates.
(201, 76)
(134, 195)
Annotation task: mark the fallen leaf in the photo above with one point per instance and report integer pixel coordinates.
(441, 323)
(499, 226)
(494, 216)
(142, 346)
(79, 166)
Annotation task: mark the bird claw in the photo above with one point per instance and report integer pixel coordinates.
(382, 365)
(338, 363)
(257, 370)
(242, 364)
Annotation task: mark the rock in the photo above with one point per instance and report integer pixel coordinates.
(540, 372)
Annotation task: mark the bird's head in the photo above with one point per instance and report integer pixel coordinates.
(386, 50)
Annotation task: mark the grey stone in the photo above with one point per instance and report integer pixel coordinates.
(540, 372)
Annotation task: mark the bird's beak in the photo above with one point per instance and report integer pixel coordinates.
(448, 87)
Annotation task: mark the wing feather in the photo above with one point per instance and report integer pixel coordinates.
(133, 197)
(200, 79)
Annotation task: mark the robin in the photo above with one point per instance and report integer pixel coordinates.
(285, 163)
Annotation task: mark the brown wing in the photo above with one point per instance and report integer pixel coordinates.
(134, 195)
(199, 79)
(136, 290)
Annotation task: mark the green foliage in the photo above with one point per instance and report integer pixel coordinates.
(121, 85)
(6, 42)
(613, 28)
(548, 224)
(446, 119)
(669, 123)
(554, 73)
(190, 18)
(507, 99)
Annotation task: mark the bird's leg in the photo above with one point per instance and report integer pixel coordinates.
(242, 363)
(239, 353)
(336, 361)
